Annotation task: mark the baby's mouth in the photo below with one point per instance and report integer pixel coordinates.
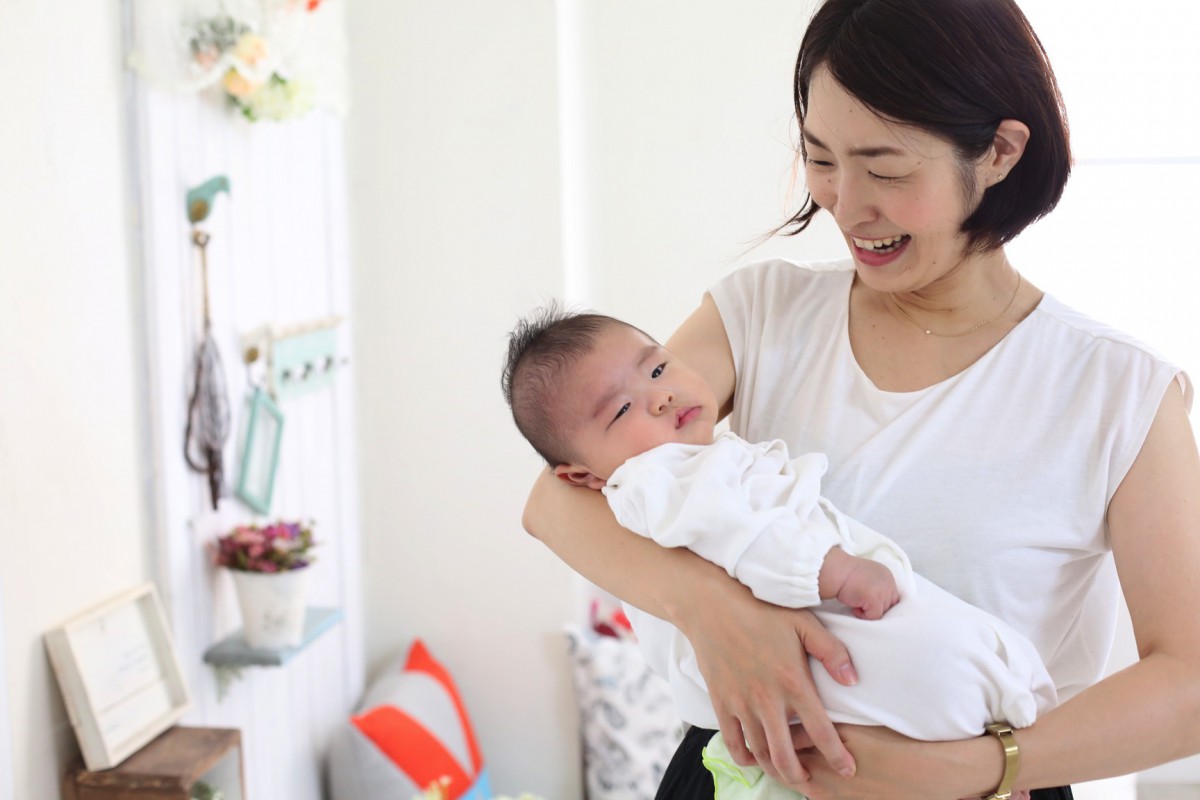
(881, 246)
(685, 416)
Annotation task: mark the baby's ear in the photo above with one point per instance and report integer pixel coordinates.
(578, 475)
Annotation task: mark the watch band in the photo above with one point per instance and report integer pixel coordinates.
(1012, 759)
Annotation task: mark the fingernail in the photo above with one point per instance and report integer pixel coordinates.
(847, 772)
(849, 676)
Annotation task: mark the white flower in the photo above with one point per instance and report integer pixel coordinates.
(278, 99)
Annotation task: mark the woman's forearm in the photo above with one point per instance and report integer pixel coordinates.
(1140, 717)
(579, 527)
(754, 656)
(1135, 719)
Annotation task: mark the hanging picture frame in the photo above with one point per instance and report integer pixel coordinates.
(260, 452)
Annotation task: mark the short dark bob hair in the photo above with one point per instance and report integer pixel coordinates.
(953, 68)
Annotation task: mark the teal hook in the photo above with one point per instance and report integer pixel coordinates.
(200, 199)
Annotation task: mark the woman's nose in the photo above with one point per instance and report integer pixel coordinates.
(852, 202)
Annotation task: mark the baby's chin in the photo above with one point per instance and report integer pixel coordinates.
(699, 433)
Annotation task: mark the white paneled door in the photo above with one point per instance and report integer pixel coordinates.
(277, 256)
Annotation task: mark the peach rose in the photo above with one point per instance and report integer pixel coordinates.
(238, 84)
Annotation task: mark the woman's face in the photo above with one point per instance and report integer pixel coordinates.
(896, 192)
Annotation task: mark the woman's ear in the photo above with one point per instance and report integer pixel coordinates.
(578, 475)
(1007, 148)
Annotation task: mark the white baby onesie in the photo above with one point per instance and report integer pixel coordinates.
(933, 667)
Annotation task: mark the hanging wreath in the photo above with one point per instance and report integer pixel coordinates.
(269, 59)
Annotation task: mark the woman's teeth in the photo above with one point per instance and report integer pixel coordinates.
(880, 245)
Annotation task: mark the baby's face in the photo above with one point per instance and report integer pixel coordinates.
(630, 395)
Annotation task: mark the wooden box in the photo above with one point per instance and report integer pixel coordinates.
(119, 674)
(167, 769)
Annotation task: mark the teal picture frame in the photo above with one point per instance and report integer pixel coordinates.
(260, 452)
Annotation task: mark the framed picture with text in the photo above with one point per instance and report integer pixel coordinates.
(119, 674)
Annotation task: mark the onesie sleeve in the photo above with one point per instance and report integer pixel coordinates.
(743, 507)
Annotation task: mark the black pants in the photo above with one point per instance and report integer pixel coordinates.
(687, 779)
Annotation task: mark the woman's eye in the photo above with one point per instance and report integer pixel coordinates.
(884, 178)
(658, 370)
(624, 408)
(816, 163)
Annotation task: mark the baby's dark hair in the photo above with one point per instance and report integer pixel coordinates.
(543, 345)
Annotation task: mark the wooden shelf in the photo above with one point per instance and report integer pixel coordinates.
(232, 651)
(167, 768)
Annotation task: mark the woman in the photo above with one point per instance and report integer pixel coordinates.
(1007, 443)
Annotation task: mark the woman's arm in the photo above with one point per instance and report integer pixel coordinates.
(752, 655)
(1137, 718)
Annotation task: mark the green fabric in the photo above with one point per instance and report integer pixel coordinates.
(733, 782)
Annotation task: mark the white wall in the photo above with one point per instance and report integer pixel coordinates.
(690, 148)
(6, 770)
(72, 526)
(454, 199)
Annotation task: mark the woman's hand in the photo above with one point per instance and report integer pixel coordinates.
(894, 766)
(754, 658)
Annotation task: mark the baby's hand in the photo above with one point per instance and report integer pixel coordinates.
(869, 589)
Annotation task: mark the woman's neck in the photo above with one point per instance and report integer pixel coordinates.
(967, 312)
(975, 293)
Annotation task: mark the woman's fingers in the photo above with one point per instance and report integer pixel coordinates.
(780, 760)
(826, 648)
(735, 738)
(750, 746)
(754, 659)
(833, 655)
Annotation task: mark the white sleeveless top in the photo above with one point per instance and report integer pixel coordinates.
(995, 482)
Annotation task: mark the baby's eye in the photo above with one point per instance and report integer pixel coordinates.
(624, 408)
(658, 370)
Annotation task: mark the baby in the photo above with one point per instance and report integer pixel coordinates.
(612, 410)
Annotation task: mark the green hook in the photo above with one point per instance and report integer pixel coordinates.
(201, 198)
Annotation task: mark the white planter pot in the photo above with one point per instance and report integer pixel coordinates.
(273, 606)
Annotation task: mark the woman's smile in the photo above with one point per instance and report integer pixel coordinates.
(879, 252)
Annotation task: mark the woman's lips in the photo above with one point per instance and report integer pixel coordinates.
(873, 257)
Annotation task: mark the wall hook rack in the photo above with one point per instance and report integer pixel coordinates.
(298, 358)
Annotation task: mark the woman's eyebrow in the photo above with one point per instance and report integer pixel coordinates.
(864, 152)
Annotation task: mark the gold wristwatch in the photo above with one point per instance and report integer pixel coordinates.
(1012, 759)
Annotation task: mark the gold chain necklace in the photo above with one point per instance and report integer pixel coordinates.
(972, 329)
